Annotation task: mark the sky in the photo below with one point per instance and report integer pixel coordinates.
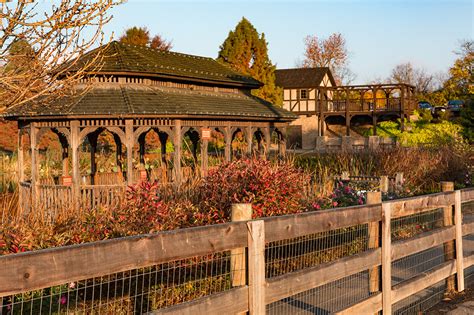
(379, 34)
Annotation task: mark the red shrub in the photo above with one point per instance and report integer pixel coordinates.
(272, 188)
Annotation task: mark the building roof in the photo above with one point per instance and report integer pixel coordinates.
(302, 77)
(124, 59)
(127, 100)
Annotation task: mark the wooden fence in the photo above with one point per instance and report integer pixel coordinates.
(35, 270)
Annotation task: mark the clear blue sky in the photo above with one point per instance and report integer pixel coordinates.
(379, 34)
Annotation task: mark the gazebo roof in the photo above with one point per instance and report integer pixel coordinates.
(179, 85)
(124, 59)
(127, 100)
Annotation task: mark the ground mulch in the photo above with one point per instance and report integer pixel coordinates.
(455, 304)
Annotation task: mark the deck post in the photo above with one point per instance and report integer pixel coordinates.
(129, 142)
(448, 246)
(384, 184)
(374, 197)
(76, 181)
(402, 109)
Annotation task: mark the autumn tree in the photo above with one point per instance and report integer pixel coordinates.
(330, 52)
(46, 42)
(461, 77)
(141, 36)
(245, 51)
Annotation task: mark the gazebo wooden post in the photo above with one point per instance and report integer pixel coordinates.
(228, 143)
(118, 153)
(34, 163)
(268, 141)
(20, 166)
(282, 142)
(92, 137)
(129, 145)
(141, 144)
(76, 181)
(164, 165)
(177, 139)
(204, 154)
(21, 157)
(249, 139)
(65, 155)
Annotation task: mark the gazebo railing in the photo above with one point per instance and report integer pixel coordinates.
(93, 196)
(54, 198)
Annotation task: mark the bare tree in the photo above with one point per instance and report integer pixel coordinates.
(418, 77)
(330, 52)
(38, 47)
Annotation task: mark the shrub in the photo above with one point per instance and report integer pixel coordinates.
(272, 188)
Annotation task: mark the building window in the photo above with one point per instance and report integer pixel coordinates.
(303, 94)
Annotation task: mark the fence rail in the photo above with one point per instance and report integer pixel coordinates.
(195, 270)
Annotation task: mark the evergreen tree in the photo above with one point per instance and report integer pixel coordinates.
(245, 51)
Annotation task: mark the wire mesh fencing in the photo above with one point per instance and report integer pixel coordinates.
(135, 291)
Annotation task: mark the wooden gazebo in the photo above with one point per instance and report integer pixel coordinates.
(139, 89)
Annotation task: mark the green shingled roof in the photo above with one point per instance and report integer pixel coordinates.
(119, 58)
(132, 99)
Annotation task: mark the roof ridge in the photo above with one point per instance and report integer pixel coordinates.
(165, 51)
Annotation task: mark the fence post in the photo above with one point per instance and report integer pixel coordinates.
(374, 197)
(256, 267)
(384, 184)
(459, 251)
(398, 181)
(240, 212)
(448, 246)
(386, 259)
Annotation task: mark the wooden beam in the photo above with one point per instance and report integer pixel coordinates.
(299, 281)
(256, 267)
(419, 204)
(467, 195)
(291, 226)
(35, 270)
(233, 301)
(239, 212)
(422, 281)
(422, 242)
(371, 305)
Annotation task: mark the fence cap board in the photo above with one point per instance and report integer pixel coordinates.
(44, 268)
(418, 204)
(296, 225)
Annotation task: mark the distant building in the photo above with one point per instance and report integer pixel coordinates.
(324, 108)
(300, 95)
